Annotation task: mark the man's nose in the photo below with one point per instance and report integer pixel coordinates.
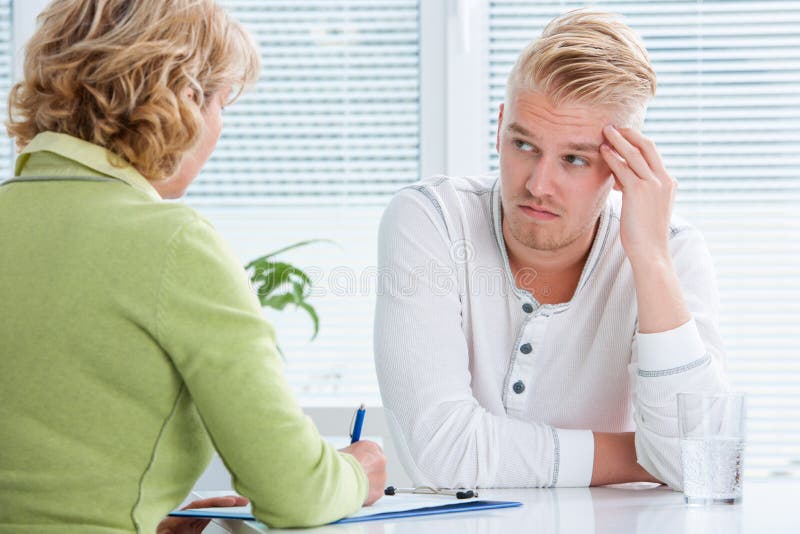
(543, 177)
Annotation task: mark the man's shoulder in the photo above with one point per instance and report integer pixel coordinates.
(453, 204)
(448, 193)
(464, 185)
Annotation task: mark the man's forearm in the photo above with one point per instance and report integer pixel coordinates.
(615, 460)
(659, 296)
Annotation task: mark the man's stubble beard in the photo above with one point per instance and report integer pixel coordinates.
(549, 239)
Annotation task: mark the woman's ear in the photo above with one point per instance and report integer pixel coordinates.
(192, 94)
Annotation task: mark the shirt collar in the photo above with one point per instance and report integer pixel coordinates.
(75, 156)
(598, 246)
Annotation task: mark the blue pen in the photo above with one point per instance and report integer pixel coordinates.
(356, 434)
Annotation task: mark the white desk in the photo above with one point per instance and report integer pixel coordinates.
(768, 508)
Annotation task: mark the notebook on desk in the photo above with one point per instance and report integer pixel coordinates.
(393, 507)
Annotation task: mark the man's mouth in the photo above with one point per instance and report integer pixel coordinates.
(538, 214)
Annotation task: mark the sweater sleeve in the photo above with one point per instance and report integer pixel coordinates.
(444, 436)
(209, 322)
(689, 358)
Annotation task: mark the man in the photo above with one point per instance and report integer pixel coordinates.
(565, 372)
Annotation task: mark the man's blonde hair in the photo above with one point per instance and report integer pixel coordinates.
(590, 58)
(116, 73)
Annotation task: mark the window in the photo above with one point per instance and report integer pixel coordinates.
(335, 115)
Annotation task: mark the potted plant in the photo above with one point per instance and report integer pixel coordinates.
(278, 283)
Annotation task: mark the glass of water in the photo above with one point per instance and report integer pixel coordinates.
(712, 446)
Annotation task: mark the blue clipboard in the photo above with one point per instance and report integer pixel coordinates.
(465, 506)
(455, 507)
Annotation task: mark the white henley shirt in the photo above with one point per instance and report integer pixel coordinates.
(485, 387)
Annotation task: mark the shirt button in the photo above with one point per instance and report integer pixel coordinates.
(519, 387)
(526, 348)
(527, 308)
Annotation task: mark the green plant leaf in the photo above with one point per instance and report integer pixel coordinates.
(270, 276)
(278, 272)
(278, 284)
(299, 291)
(278, 302)
(314, 317)
(287, 248)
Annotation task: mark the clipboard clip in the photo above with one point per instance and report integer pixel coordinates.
(458, 493)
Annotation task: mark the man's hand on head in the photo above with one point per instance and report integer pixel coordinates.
(648, 192)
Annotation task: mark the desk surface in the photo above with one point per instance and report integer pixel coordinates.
(767, 507)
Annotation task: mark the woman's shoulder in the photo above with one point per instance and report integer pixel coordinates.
(153, 231)
(162, 220)
(185, 232)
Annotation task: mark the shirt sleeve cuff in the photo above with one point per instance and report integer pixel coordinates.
(671, 349)
(574, 457)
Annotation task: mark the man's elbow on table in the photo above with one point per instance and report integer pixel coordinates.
(446, 459)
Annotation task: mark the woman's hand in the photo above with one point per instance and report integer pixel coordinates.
(372, 459)
(195, 525)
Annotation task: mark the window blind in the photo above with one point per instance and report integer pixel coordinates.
(335, 114)
(315, 151)
(726, 119)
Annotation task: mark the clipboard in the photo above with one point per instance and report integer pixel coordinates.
(393, 508)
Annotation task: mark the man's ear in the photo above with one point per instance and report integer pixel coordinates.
(499, 127)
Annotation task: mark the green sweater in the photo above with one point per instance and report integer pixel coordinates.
(131, 346)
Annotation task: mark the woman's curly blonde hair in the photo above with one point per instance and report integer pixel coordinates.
(117, 73)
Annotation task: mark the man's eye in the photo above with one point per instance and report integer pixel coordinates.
(523, 146)
(577, 161)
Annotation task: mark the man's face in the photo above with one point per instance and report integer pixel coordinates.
(554, 181)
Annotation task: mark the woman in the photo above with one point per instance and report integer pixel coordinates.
(132, 345)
